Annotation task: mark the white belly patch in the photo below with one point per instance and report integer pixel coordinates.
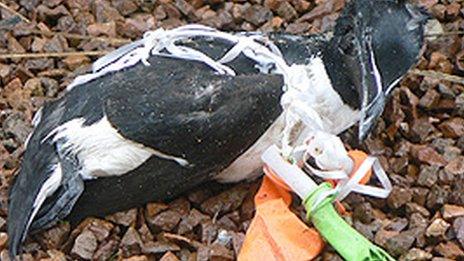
(101, 150)
(247, 165)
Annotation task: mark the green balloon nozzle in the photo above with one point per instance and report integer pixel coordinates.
(348, 242)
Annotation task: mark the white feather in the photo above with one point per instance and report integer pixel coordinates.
(101, 150)
(35, 121)
(48, 188)
(37, 117)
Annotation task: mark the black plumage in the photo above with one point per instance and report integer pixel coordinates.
(390, 31)
(185, 109)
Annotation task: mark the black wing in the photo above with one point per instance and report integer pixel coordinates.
(185, 110)
(182, 109)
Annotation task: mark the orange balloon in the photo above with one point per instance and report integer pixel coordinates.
(358, 158)
(275, 232)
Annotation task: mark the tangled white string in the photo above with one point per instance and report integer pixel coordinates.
(166, 43)
(296, 102)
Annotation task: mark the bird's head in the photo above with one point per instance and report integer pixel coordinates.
(373, 45)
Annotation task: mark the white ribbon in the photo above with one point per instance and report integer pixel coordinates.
(330, 156)
(166, 43)
(347, 185)
(297, 101)
(303, 185)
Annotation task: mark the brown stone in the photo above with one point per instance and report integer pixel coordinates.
(428, 176)
(226, 201)
(55, 237)
(136, 258)
(301, 6)
(106, 250)
(273, 4)
(449, 250)
(136, 26)
(98, 29)
(286, 11)
(85, 245)
(153, 209)
(185, 8)
(56, 45)
(226, 223)
(125, 218)
(17, 126)
(452, 211)
(171, 11)
(456, 166)
(215, 252)
(169, 256)
(159, 247)
(14, 46)
(209, 231)
(55, 255)
(416, 254)
(363, 212)
(181, 205)
(429, 99)
(437, 228)
(412, 207)
(452, 10)
(399, 244)
(3, 240)
(428, 155)
(126, 7)
(131, 242)
(453, 128)
(54, 73)
(166, 220)
(397, 224)
(298, 28)
(437, 60)
(399, 197)
(458, 228)
(145, 233)
(4, 70)
(237, 242)
(324, 8)
(172, 23)
(99, 227)
(194, 218)
(416, 220)
(75, 61)
(104, 12)
(34, 85)
(452, 152)
(257, 14)
(383, 235)
(16, 95)
(159, 13)
(274, 24)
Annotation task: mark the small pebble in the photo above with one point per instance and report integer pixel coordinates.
(437, 228)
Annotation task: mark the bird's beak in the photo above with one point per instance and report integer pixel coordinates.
(370, 89)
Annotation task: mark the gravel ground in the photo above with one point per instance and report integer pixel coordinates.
(420, 139)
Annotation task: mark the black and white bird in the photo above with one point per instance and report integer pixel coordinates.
(175, 109)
